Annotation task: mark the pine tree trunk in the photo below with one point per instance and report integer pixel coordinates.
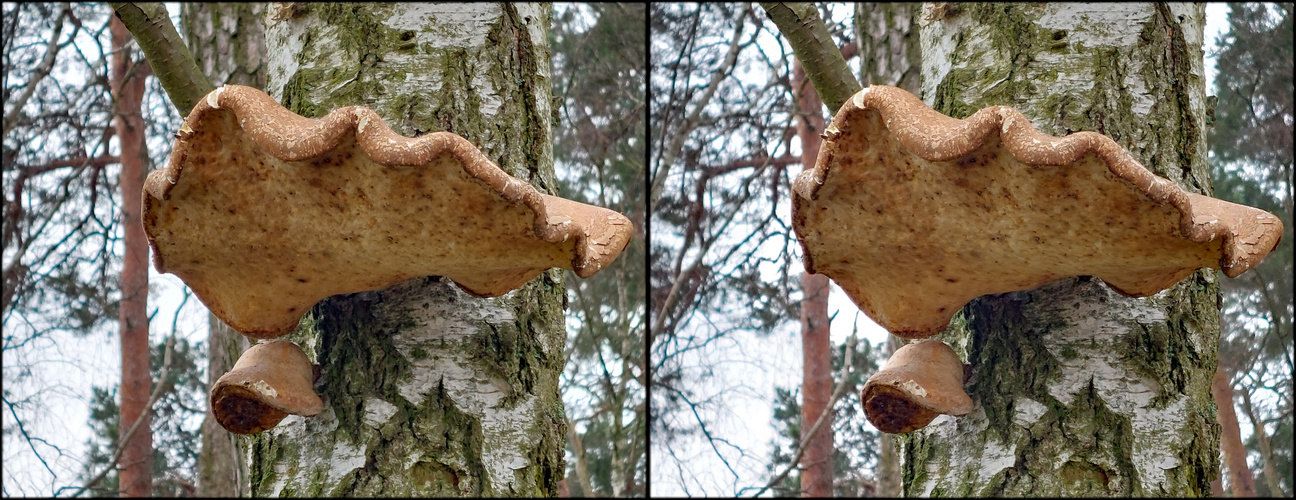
(816, 341)
(1079, 391)
(1241, 483)
(136, 465)
(227, 41)
(428, 391)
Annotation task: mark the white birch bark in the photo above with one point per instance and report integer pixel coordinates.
(1078, 390)
(428, 390)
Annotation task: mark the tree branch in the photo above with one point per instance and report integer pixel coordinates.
(172, 63)
(160, 387)
(823, 417)
(806, 33)
(42, 70)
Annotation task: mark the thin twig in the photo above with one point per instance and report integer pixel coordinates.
(823, 417)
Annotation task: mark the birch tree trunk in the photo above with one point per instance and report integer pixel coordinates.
(1079, 391)
(428, 391)
(227, 41)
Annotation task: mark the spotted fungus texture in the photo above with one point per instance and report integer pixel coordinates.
(263, 212)
(914, 213)
(269, 381)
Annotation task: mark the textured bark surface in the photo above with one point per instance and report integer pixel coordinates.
(887, 37)
(136, 466)
(1241, 483)
(816, 344)
(1079, 391)
(428, 391)
(227, 41)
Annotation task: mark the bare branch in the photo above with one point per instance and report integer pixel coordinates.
(823, 417)
(172, 63)
(806, 33)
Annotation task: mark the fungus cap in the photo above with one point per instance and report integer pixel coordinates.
(263, 212)
(269, 381)
(922, 379)
(914, 213)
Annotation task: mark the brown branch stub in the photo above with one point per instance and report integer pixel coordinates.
(263, 212)
(915, 213)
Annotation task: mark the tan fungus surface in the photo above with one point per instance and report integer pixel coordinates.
(263, 213)
(914, 213)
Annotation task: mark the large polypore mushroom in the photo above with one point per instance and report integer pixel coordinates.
(914, 214)
(263, 213)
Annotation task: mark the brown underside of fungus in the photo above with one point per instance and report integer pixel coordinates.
(263, 213)
(914, 213)
(269, 381)
(922, 379)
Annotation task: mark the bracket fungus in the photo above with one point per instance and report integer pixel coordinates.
(914, 214)
(922, 379)
(263, 213)
(269, 381)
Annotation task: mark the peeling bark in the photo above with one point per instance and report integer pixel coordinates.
(428, 390)
(1079, 391)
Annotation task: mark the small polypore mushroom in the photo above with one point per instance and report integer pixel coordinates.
(922, 379)
(269, 381)
(263, 213)
(914, 213)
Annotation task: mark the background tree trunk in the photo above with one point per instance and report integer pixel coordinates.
(136, 465)
(1241, 483)
(816, 341)
(227, 41)
(887, 37)
(427, 390)
(1079, 391)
